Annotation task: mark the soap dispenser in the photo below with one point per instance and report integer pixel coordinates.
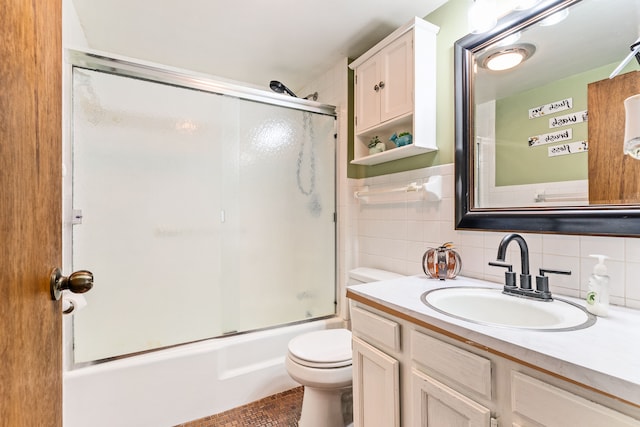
(598, 293)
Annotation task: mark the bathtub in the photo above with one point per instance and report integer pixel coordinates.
(185, 383)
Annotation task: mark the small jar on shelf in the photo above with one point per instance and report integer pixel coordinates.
(376, 146)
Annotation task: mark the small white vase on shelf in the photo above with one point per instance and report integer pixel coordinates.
(378, 148)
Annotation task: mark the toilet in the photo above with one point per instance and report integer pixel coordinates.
(321, 362)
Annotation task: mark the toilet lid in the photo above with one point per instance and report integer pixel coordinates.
(331, 347)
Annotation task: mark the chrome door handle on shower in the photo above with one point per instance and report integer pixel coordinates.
(78, 282)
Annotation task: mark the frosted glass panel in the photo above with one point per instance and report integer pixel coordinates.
(279, 242)
(201, 214)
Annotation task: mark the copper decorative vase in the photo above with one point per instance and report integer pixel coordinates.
(441, 262)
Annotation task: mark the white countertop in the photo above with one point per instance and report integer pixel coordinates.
(605, 356)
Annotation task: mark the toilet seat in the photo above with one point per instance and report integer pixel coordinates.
(325, 349)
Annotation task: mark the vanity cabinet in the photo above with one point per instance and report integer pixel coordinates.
(395, 92)
(462, 400)
(376, 373)
(409, 373)
(435, 404)
(376, 395)
(535, 402)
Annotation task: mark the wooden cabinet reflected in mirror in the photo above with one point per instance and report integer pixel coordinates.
(614, 178)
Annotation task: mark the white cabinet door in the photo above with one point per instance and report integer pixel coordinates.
(533, 399)
(435, 405)
(368, 94)
(384, 84)
(376, 381)
(396, 94)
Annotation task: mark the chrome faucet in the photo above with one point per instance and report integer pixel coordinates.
(510, 287)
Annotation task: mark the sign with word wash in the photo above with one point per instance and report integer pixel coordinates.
(568, 119)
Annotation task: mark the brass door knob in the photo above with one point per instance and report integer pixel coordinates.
(78, 282)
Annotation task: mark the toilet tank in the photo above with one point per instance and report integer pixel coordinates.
(366, 275)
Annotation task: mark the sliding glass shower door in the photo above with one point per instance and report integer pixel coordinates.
(199, 214)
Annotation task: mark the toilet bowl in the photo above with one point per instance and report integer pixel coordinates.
(321, 362)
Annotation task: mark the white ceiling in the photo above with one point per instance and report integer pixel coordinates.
(251, 41)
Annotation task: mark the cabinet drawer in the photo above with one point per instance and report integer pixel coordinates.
(469, 371)
(554, 407)
(375, 329)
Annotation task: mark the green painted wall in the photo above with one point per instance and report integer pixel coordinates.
(516, 162)
(452, 20)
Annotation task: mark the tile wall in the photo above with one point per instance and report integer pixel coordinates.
(393, 231)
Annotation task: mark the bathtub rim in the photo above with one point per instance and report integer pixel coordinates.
(331, 321)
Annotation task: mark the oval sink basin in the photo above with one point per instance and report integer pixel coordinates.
(490, 306)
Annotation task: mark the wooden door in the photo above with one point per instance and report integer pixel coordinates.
(30, 219)
(613, 177)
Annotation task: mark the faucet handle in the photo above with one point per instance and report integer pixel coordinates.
(542, 282)
(509, 275)
(546, 270)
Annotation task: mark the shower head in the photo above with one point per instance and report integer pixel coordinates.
(276, 86)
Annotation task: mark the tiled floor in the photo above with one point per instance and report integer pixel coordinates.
(282, 409)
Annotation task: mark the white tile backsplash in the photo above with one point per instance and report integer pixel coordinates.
(612, 248)
(632, 273)
(632, 248)
(556, 244)
(393, 235)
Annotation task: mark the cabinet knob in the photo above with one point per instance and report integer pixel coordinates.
(381, 84)
(376, 88)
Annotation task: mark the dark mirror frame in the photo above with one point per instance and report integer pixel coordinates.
(598, 220)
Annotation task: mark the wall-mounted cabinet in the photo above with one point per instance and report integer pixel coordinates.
(395, 91)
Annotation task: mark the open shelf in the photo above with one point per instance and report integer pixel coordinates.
(392, 154)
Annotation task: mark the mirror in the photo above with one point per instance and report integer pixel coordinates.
(539, 146)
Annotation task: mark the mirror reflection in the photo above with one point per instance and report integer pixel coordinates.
(549, 125)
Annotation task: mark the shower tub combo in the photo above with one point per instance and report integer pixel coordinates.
(206, 212)
(185, 383)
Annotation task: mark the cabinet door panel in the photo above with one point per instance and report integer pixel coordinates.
(372, 327)
(397, 76)
(376, 381)
(468, 370)
(367, 98)
(553, 407)
(435, 405)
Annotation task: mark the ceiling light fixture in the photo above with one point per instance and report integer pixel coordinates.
(525, 4)
(509, 40)
(482, 16)
(506, 58)
(555, 18)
